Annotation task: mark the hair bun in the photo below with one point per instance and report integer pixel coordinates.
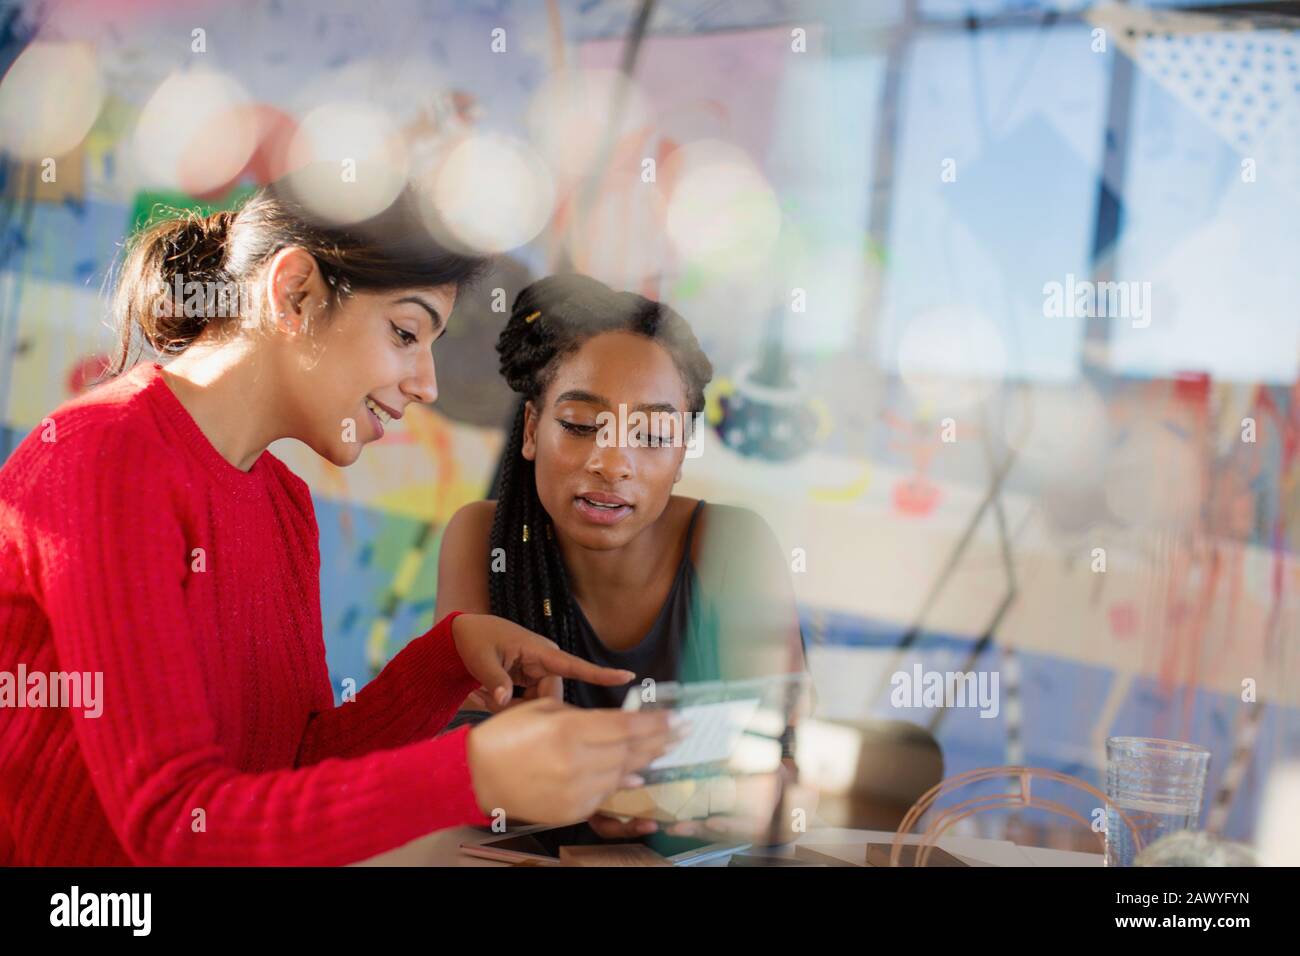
(195, 248)
(527, 343)
(219, 224)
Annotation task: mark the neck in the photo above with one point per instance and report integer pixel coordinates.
(229, 392)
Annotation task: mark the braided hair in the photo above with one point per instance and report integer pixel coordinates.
(551, 319)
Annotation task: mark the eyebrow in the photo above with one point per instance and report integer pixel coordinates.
(578, 395)
(434, 317)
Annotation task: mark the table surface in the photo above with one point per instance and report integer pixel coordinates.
(443, 849)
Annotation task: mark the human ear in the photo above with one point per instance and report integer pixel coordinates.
(529, 449)
(295, 289)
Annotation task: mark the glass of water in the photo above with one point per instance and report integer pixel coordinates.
(1158, 785)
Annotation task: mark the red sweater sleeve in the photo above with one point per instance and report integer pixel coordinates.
(411, 699)
(111, 561)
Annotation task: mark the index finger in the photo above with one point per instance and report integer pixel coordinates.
(561, 664)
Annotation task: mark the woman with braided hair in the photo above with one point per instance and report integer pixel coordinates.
(585, 543)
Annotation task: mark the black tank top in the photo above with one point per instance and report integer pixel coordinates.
(658, 655)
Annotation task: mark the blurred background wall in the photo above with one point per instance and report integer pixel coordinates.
(882, 219)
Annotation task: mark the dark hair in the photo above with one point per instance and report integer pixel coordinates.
(391, 250)
(551, 319)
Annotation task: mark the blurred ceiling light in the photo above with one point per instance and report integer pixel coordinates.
(195, 133)
(951, 358)
(569, 116)
(49, 100)
(722, 217)
(348, 162)
(490, 194)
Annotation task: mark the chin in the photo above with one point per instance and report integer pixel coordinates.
(341, 454)
(599, 539)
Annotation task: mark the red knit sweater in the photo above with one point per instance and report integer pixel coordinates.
(218, 741)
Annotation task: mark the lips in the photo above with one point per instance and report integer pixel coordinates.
(603, 498)
(382, 411)
(380, 414)
(375, 420)
(602, 508)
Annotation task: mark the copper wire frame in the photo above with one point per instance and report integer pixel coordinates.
(946, 818)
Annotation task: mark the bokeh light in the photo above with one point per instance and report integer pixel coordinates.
(348, 161)
(490, 194)
(49, 100)
(569, 116)
(723, 216)
(196, 133)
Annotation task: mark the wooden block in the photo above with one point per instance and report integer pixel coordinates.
(613, 854)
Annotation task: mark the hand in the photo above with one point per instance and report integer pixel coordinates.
(482, 698)
(501, 654)
(546, 762)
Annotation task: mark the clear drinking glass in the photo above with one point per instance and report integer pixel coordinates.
(1158, 784)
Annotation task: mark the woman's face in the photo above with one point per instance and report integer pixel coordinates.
(360, 368)
(602, 486)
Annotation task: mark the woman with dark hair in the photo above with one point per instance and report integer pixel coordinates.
(585, 541)
(153, 548)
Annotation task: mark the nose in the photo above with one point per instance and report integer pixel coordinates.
(422, 386)
(611, 463)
